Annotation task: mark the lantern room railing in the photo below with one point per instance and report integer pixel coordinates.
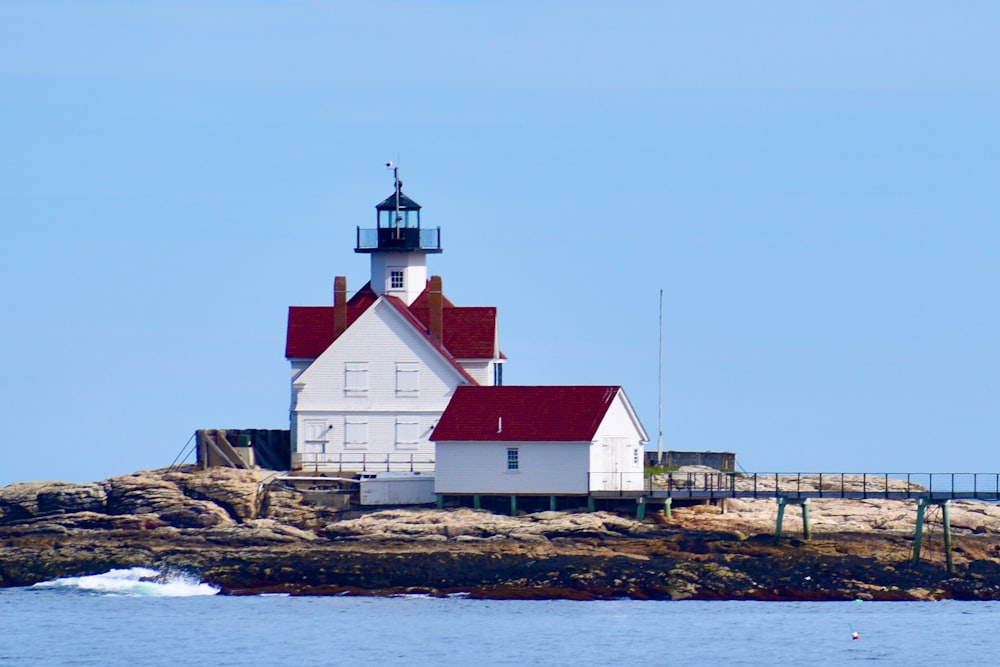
(399, 239)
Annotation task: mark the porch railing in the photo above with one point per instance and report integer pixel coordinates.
(363, 462)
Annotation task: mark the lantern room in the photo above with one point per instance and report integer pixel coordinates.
(398, 227)
(398, 246)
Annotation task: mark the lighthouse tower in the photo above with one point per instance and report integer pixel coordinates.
(398, 246)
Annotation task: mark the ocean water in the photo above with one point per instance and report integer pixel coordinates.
(140, 617)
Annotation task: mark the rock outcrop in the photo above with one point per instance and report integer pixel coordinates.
(246, 534)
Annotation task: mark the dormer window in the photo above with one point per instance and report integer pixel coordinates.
(396, 279)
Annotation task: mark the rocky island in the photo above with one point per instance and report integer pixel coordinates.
(240, 532)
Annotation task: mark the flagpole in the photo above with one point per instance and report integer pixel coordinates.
(659, 405)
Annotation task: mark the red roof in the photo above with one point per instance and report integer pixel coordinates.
(524, 414)
(469, 332)
(423, 301)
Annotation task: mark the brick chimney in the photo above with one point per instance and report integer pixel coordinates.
(339, 306)
(435, 300)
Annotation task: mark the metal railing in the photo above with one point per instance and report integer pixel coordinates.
(389, 238)
(620, 483)
(362, 462)
(943, 486)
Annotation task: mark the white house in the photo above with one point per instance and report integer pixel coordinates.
(555, 440)
(371, 375)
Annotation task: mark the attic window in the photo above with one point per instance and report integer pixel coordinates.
(407, 379)
(395, 279)
(356, 377)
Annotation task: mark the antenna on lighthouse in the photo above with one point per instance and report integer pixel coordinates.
(399, 190)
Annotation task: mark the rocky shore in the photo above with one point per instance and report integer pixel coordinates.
(239, 532)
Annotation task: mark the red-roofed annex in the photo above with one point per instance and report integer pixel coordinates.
(548, 440)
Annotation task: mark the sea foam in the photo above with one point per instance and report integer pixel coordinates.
(135, 582)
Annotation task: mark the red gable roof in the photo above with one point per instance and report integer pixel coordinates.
(524, 414)
(310, 331)
(423, 301)
(469, 333)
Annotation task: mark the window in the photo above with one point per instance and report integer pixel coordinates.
(407, 433)
(355, 431)
(316, 429)
(407, 378)
(497, 375)
(512, 462)
(315, 436)
(356, 377)
(396, 279)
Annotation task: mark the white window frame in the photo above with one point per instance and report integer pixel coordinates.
(355, 432)
(396, 272)
(407, 378)
(513, 459)
(356, 378)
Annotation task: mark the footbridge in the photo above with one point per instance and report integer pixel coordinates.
(927, 489)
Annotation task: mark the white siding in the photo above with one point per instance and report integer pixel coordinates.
(616, 455)
(414, 268)
(380, 345)
(480, 369)
(299, 365)
(481, 467)
(382, 339)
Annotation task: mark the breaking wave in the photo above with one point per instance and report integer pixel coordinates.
(135, 582)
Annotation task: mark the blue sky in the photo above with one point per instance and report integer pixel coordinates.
(813, 185)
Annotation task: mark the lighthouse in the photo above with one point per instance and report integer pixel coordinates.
(398, 245)
(372, 373)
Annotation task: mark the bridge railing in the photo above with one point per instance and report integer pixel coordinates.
(981, 486)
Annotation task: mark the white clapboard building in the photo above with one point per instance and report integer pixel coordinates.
(550, 440)
(372, 374)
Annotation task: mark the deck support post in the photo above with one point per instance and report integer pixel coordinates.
(919, 531)
(513, 505)
(440, 501)
(947, 535)
(801, 502)
(476, 502)
(590, 503)
(922, 504)
(552, 503)
(777, 523)
(668, 504)
(806, 531)
(640, 508)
